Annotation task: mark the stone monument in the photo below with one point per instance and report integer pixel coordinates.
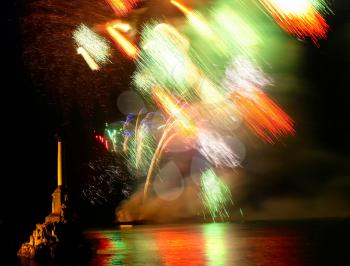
(47, 238)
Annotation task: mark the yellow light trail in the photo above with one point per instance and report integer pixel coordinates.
(88, 59)
(129, 48)
(194, 18)
(122, 26)
(171, 108)
(165, 139)
(122, 7)
(294, 7)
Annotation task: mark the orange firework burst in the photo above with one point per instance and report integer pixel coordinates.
(122, 7)
(300, 18)
(263, 115)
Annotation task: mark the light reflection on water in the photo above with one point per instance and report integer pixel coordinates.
(208, 244)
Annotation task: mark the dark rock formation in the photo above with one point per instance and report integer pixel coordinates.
(59, 232)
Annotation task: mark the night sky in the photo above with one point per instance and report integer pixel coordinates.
(305, 176)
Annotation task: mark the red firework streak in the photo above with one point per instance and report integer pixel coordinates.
(103, 140)
(263, 116)
(302, 23)
(122, 7)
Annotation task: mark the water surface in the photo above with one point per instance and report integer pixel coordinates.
(284, 244)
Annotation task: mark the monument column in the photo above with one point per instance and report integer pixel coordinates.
(57, 194)
(59, 163)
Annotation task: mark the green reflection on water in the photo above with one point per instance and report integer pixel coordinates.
(117, 259)
(118, 248)
(118, 243)
(215, 244)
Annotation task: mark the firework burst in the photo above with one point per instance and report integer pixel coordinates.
(259, 112)
(164, 61)
(141, 149)
(213, 147)
(263, 115)
(301, 18)
(114, 133)
(95, 46)
(167, 135)
(180, 70)
(215, 195)
(107, 179)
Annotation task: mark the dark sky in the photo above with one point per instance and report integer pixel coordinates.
(308, 176)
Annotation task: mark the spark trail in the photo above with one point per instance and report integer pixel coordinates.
(215, 195)
(88, 59)
(127, 47)
(164, 62)
(171, 108)
(194, 18)
(260, 113)
(213, 147)
(122, 7)
(301, 18)
(166, 137)
(92, 46)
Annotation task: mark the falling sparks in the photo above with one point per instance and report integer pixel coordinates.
(94, 48)
(214, 148)
(166, 137)
(244, 74)
(141, 149)
(106, 181)
(263, 115)
(259, 112)
(301, 18)
(215, 195)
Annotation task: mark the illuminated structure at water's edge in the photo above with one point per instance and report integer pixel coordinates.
(48, 238)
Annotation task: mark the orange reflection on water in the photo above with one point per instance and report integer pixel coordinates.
(208, 244)
(177, 247)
